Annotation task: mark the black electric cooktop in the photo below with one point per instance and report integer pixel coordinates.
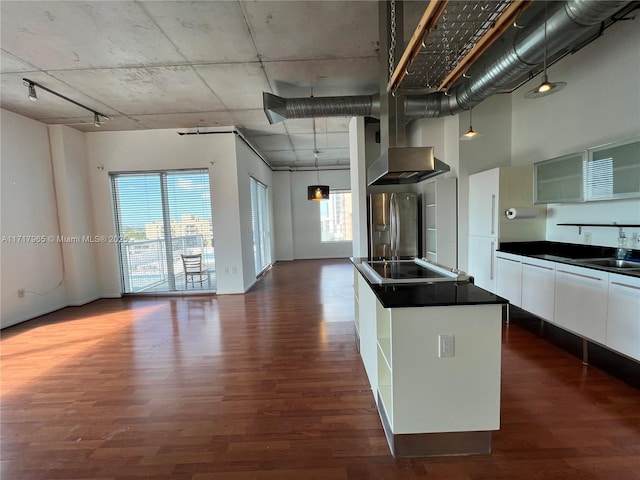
(399, 270)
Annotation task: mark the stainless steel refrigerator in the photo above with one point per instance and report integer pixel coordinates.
(393, 225)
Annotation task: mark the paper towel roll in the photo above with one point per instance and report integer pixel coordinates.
(521, 212)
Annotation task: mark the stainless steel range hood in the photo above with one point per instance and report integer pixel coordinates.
(405, 165)
(397, 163)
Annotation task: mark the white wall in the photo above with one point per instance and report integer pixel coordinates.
(306, 215)
(358, 170)
(600, 104)
(250, 165)
(165, 149)
(490, 149)
(72, 184)
(28, 208)
(283, 216)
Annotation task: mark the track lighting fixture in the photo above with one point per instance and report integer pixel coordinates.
(546, 87)
(99, 119)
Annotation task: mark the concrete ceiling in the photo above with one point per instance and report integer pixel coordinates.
(192, 65)
(182, 65)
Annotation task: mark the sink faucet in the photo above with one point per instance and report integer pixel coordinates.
(621, 252)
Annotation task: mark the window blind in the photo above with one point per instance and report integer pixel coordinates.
(260, 222)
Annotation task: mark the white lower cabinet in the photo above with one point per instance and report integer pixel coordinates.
(538, 287)
(509, 277)
(596, 305)
(581, 301)
(623, 315)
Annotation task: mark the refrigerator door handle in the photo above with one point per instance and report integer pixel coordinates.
(394, 234)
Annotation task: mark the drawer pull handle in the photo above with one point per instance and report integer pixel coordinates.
(579, 275)
(625, 285)
(508, 259)
(537, 266)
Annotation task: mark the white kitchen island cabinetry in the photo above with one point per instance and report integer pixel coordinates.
(366, 329)
(431, 404)
(623, 315)
(581, 301)
(423, 392)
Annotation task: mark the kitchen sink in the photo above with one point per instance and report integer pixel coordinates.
(610, 262)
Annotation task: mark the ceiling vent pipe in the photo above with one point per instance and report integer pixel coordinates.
(278, 108)
(566, 23)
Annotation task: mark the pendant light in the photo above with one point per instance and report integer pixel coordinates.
(317, 192)
(546, 87)
(471, 133)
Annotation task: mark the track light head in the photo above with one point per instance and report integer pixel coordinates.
(96, 120)
(33, 96)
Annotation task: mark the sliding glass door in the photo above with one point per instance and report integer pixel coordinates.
(161, 217)
(260, 221)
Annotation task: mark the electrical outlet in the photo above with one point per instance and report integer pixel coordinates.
(587, 237)
(21, 292)
(447, 346)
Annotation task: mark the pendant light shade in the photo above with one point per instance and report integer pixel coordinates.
(317, 193)
(471, 133)
(546, 87)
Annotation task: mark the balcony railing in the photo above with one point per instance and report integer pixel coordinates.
(145, 267)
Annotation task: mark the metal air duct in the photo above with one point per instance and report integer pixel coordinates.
(566, 23)
(278, 108)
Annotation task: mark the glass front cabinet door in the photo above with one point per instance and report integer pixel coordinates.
(613, 171)
(560, 180)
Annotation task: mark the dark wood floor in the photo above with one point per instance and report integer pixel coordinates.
(269, 386)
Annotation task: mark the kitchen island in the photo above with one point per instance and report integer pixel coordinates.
(432, 355)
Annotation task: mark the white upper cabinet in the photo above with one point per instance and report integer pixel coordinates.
(607, 172)
(613, 171)
(560, 179)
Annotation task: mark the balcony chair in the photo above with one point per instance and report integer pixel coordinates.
(194, 272)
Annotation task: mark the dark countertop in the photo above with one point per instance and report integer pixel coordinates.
(569, 253)
(437, 294)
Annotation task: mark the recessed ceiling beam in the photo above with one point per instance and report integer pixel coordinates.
(427, 23)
